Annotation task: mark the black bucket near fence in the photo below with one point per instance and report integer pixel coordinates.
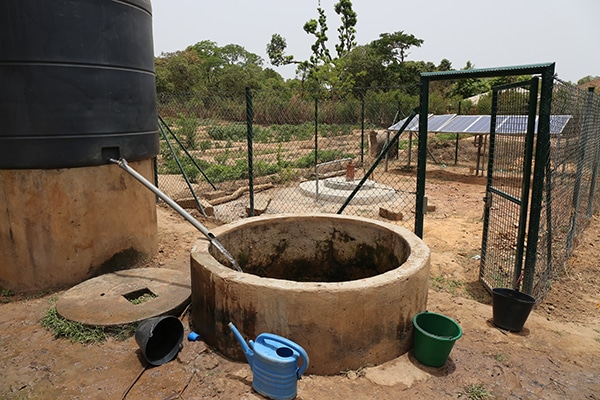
(78, 83)
(511, 308)
(159, 338)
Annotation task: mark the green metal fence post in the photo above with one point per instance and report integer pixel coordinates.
(422, 158)
(542, 155)
(249, 135)
(589, 114)
(382, 155)
(457, 139)
(182, 170)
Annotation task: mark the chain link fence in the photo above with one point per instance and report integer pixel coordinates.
(308, 155)
(570, 197)
(302, 155)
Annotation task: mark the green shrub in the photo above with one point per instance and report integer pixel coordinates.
(205, 145)
(235, 131)
(333, 130)
(188, 130)
(308, 160)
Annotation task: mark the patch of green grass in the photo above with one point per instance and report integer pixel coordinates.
(144, 297)
(447, 285)
(500, 357)
(74, 331)
(5, 295)
(475, 392)
(79, 333)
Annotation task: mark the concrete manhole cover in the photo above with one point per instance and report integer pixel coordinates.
(125, 296)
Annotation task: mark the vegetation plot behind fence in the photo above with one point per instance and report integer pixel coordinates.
(296, 149)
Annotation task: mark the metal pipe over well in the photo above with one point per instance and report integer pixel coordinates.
(123, 164)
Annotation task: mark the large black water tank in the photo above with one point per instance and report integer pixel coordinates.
(77, 82)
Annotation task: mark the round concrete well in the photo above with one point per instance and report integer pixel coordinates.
(344, 288)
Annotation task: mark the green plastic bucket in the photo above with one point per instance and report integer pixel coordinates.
(435, 335)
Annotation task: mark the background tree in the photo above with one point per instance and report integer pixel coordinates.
(347, 30)
(465, 88)
(321, 70)
(395, 46)
(205, 67)
(276, 51)
(586, 79)
(178, 72)
(443, 87)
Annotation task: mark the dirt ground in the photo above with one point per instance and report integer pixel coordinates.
(556, 356)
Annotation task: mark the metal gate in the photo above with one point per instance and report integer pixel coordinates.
(509, 180)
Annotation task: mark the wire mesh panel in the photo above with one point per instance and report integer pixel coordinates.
(509, 177)
(211, 130)
(308, 155)
(303, 155)
(570, 197)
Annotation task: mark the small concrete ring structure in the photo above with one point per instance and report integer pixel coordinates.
(341, 324)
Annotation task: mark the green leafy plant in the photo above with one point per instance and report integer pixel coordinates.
(222, 158)
(74, 331)
(79, 333)
(5, 295)
(188, 130)
(205, 145)
(288, 174)
(324, 156)
(234, 131)
(475, 392)
(448, 285)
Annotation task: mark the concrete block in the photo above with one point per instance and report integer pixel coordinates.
(391, 215)
(214, 194)
(190, 202)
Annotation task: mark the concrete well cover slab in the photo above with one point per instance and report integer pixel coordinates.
(109, 300)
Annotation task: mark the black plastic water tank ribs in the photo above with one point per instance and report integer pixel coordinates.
(77, 83)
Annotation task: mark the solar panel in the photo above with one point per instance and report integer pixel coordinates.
(512, 124)
(437, 122)
(558, 123)
(460, 123)
(413, 126)
(480, 124)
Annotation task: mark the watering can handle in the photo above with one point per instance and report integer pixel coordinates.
(296, 347)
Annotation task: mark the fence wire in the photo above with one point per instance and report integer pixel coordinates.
(570, 197)
(306, 156)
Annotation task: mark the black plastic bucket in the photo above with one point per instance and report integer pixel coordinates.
(511, 308)
(159, 338)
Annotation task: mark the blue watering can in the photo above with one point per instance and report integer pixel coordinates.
(274, 362)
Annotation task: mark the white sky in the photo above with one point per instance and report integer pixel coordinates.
(488, 33)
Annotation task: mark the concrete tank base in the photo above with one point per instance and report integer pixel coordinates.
(344, 288)
(59, 227)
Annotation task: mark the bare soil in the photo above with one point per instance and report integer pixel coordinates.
(556, 356)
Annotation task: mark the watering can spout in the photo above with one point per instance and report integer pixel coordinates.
(248, 352)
